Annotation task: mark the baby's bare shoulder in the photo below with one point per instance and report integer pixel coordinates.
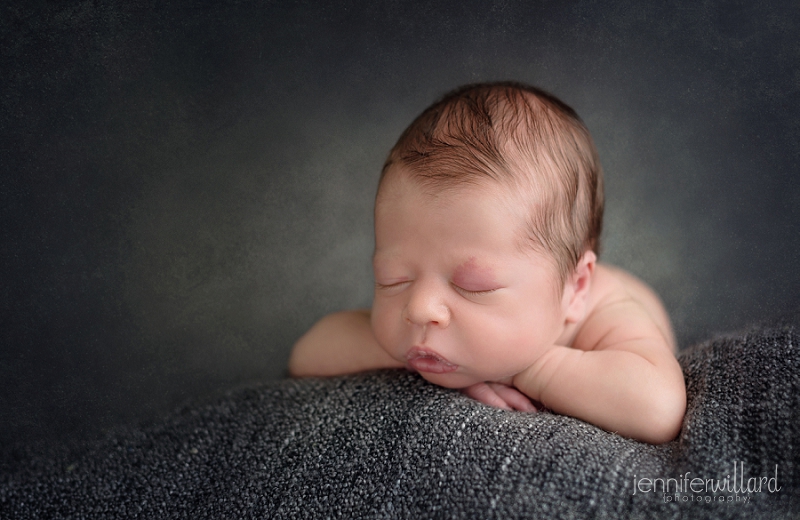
(621, 303)
(612, 283)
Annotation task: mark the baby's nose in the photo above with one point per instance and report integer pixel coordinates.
(426, 305)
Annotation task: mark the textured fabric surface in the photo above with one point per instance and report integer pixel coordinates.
(389, 445)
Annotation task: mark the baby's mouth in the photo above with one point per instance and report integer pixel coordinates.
(425, 360)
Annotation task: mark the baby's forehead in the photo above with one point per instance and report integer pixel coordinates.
(400, 191)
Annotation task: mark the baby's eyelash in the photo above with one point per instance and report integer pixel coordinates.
(473, 293)
(379, 285)
(463, 291)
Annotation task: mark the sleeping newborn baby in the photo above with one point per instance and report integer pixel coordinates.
(487, 224)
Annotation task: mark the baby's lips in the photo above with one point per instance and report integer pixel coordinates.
(425, 360)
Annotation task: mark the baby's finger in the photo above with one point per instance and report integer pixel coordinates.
(513, 397)
(486, 395)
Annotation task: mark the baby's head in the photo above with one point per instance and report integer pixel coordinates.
(523, 139)
(487, 217)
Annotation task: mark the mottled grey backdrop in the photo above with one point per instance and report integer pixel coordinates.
(186, 188)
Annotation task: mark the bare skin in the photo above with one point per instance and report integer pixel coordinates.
(460, 302)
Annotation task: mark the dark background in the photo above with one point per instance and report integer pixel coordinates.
(187, 188)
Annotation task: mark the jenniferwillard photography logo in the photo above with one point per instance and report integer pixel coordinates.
(735, 487)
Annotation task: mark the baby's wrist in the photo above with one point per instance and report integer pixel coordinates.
(525, 382)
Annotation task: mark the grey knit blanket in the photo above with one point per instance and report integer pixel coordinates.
(390, 445)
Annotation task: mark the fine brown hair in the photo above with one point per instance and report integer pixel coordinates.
(523, 137)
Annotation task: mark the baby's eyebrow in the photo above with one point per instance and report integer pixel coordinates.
(378, 253)
(471, 272)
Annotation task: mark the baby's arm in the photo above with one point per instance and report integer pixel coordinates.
(340, 343)
(621, 375)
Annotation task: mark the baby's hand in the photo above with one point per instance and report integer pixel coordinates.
(500, 396)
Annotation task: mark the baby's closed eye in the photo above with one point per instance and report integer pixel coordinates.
(392, 286)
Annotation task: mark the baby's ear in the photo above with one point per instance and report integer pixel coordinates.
(576, 290)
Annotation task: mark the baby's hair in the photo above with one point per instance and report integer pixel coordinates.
(525, 138)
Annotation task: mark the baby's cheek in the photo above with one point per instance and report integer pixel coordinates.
(384, 327)
(510, 345)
